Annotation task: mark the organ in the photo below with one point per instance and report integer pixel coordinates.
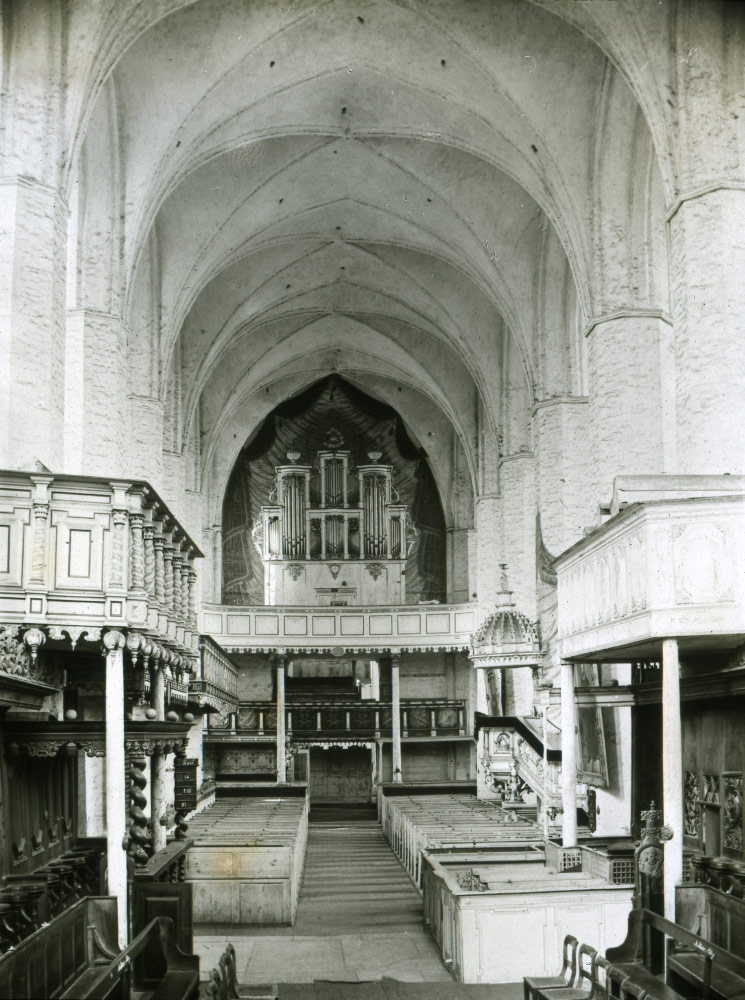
(334, 533)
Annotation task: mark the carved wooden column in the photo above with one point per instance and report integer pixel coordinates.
(396, 719)
(137, 552)
(118, 533)
(138, 839)
(281, 749)
(177, 563)
(160, 594)
(185, 574)
(672, 772)
(148, 535)
(115, 793)
(168, 576)
(568, 756)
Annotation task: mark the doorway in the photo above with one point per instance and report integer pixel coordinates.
(340, 776)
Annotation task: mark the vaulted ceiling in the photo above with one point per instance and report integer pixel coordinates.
(405, 192)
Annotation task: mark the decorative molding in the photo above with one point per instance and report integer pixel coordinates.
(658, 314)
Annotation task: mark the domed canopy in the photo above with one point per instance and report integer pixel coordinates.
(507, 638)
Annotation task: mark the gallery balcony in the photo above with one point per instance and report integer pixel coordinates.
(657, 568)
(216, 686)
(79, 555)
(353, 629)
(355, 721)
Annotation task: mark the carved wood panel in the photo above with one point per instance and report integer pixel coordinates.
(41, 818)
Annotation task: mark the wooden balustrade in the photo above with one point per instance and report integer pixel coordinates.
(353, 720)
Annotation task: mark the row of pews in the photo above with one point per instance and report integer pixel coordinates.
(246, 861)
(31, 900)
(413, 824)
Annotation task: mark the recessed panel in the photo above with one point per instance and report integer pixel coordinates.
(409, 624)
(352, 625)
(4, 548)
(438, 624)
(324, 625)
(79, 553)
(381, 624)
(241, 624)
(265, 624)
(296, 625)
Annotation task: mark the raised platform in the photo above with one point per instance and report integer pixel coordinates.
(247, 860)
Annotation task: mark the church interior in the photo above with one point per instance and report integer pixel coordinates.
(372, 535)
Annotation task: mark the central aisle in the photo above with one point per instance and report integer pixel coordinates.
(359, 919)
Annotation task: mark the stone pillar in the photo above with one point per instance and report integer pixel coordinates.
(116, 821)
(672, 772)
(281, 749)
(568, 756)
(396, 719)
(629, 360)
(707, 249)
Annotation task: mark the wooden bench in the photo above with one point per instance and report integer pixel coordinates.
(75, 957)
(718, 915)
(152, 967)
(651, 950)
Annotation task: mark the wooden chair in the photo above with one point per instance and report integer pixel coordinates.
(223, 984)
(563, 978)
(587, 973)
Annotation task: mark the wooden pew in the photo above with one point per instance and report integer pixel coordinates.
(652, 945)
(716, 912)
(75, 957)
(152, 967)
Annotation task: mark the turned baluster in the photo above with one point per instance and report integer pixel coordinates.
(168, 576)
(138, 838)
(160, 594)
(177, 563)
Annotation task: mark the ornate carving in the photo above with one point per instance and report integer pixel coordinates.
(119, 519)
(296, 570)
(168, 575)
(733, 812)
(692, 797)
(334, 569)
(34, 638)
(185, 595)
(711, 788)
(375, 569)
(15, 658)
(138, 838)
(176, 563)
(649, 853)
(113, 640)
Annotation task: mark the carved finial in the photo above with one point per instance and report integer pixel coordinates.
(504, 585)
(34, 638)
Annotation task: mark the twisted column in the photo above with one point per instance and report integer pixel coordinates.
(148, 540)
(138, 837)
(159, 564)
(118, 529)
(177, 563)
(193, 596)
(168, 576)
(185, 573)
(137, 565)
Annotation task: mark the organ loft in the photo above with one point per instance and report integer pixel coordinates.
(372, 489)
